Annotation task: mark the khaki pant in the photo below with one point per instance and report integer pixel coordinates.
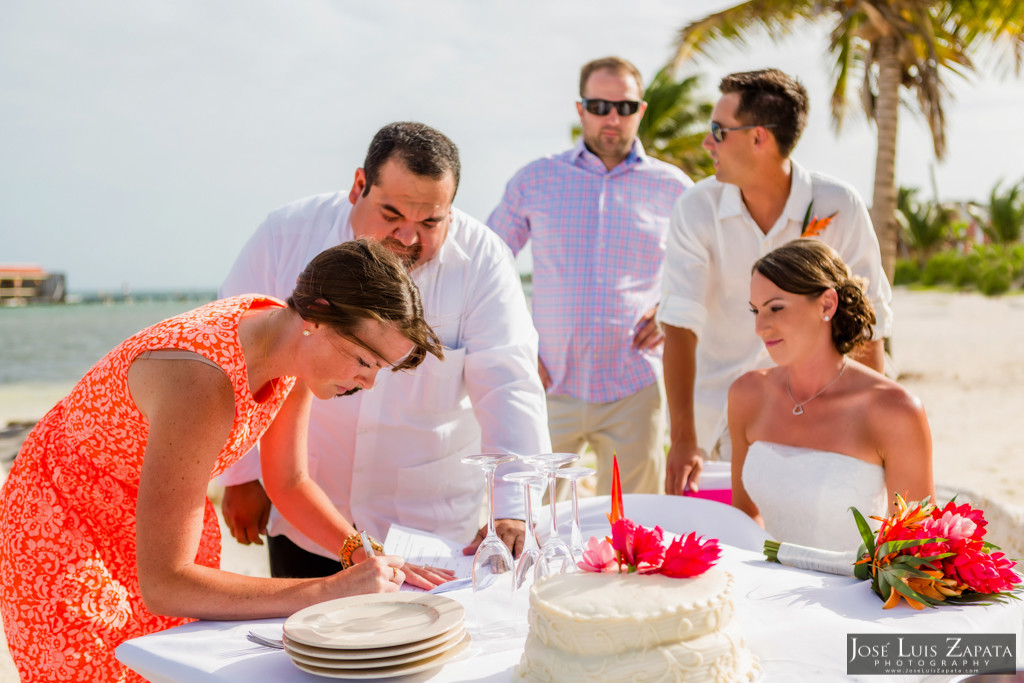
(633, 428)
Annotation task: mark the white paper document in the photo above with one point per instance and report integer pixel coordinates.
(422, 547)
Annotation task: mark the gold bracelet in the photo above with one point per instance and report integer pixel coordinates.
(351, 543)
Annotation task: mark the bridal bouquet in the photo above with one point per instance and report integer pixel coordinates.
(635, 548)
(928, 555)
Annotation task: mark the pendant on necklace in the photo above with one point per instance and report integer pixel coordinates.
(798, 410)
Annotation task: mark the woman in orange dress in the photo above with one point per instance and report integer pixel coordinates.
(105, 529)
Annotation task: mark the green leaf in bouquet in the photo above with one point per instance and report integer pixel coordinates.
(899, 546)
(862, 568)
(915, 561)
(866, 534)
(970, 597)
(881, 584)
(908, 592)
(905, 571)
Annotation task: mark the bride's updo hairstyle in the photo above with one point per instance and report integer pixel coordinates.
(352, 283)
(809, 267)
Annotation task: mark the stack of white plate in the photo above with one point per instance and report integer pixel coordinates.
(376, 636)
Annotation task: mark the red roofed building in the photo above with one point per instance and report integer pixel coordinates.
(22, 283)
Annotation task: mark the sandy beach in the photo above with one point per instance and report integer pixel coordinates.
(959, 353)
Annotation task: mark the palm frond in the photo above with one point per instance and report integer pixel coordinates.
(777, 18)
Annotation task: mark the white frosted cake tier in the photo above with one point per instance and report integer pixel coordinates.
(638, 628)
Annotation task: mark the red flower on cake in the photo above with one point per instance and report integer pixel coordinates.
(636, 545)
(635, 548)
(690, 555)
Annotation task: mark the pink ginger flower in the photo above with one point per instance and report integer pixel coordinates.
(636, 545)
(690, 556)
(599, 556)
(957, 523)
(980, 571)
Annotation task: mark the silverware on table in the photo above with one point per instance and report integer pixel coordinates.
(264, 641)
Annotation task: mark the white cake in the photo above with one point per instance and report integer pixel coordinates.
(627, 627)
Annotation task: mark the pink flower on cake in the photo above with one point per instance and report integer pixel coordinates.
(636, 545)
(635, 548)
(599, 556)
(690, 555)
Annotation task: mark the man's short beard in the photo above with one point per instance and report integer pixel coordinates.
(409, 255)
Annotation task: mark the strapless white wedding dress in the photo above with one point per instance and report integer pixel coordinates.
(805, 495)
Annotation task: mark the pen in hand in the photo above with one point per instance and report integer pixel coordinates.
(366, 544)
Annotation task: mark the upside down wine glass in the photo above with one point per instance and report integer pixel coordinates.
(555, 555)
(574, 474)
(493, 569)
(529, 556)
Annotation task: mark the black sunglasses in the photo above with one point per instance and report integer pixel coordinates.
(718, 132)
(604, 107)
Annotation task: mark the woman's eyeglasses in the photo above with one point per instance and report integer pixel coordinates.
(604, 107)
(718, 132)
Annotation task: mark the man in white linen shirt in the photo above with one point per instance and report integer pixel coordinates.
(758, 200)
(393, 454)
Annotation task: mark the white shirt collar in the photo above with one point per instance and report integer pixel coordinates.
(730, 203)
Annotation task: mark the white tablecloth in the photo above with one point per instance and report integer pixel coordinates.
(795, 621)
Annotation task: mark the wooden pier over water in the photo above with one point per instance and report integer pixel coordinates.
(23, 284)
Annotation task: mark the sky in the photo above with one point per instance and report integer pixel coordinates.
(142, 143)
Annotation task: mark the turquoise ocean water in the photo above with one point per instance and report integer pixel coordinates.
(45, 349)
(58, 343)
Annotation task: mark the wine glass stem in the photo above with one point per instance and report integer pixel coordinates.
(528, 496)
(576, 534)
(551, 502)
(489, 485)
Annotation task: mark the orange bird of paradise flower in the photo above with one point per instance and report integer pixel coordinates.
(814, 226)
(616, 514)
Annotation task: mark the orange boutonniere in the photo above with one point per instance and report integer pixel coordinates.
(812, 227)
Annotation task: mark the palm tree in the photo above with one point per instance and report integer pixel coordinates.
(886, 44)
(1005, 223)
(674, 124)
(925, 225)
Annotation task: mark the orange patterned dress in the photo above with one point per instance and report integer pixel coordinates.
(69, 591)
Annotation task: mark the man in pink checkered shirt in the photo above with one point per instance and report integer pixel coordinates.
(598, 218)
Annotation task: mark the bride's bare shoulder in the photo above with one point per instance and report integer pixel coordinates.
(753, 384)
(887, 399)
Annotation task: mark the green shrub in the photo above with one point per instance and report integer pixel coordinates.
(942, 268)
(991, 268)
(970, 268)
(995, 278)
(907, 272)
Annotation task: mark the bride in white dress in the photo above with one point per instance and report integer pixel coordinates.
(820, 433)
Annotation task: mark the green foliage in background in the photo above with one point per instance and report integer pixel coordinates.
(893, 49)
(925, 226)
(991, 269)
(1005, 223)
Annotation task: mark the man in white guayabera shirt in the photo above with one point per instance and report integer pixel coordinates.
(393, 454)
(758, 200)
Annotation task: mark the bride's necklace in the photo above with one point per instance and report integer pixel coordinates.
(798, 408)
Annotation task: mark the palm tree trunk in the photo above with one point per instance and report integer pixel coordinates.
(883, 203)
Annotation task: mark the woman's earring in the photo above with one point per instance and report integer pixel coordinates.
(827, 318)
(306, 333)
